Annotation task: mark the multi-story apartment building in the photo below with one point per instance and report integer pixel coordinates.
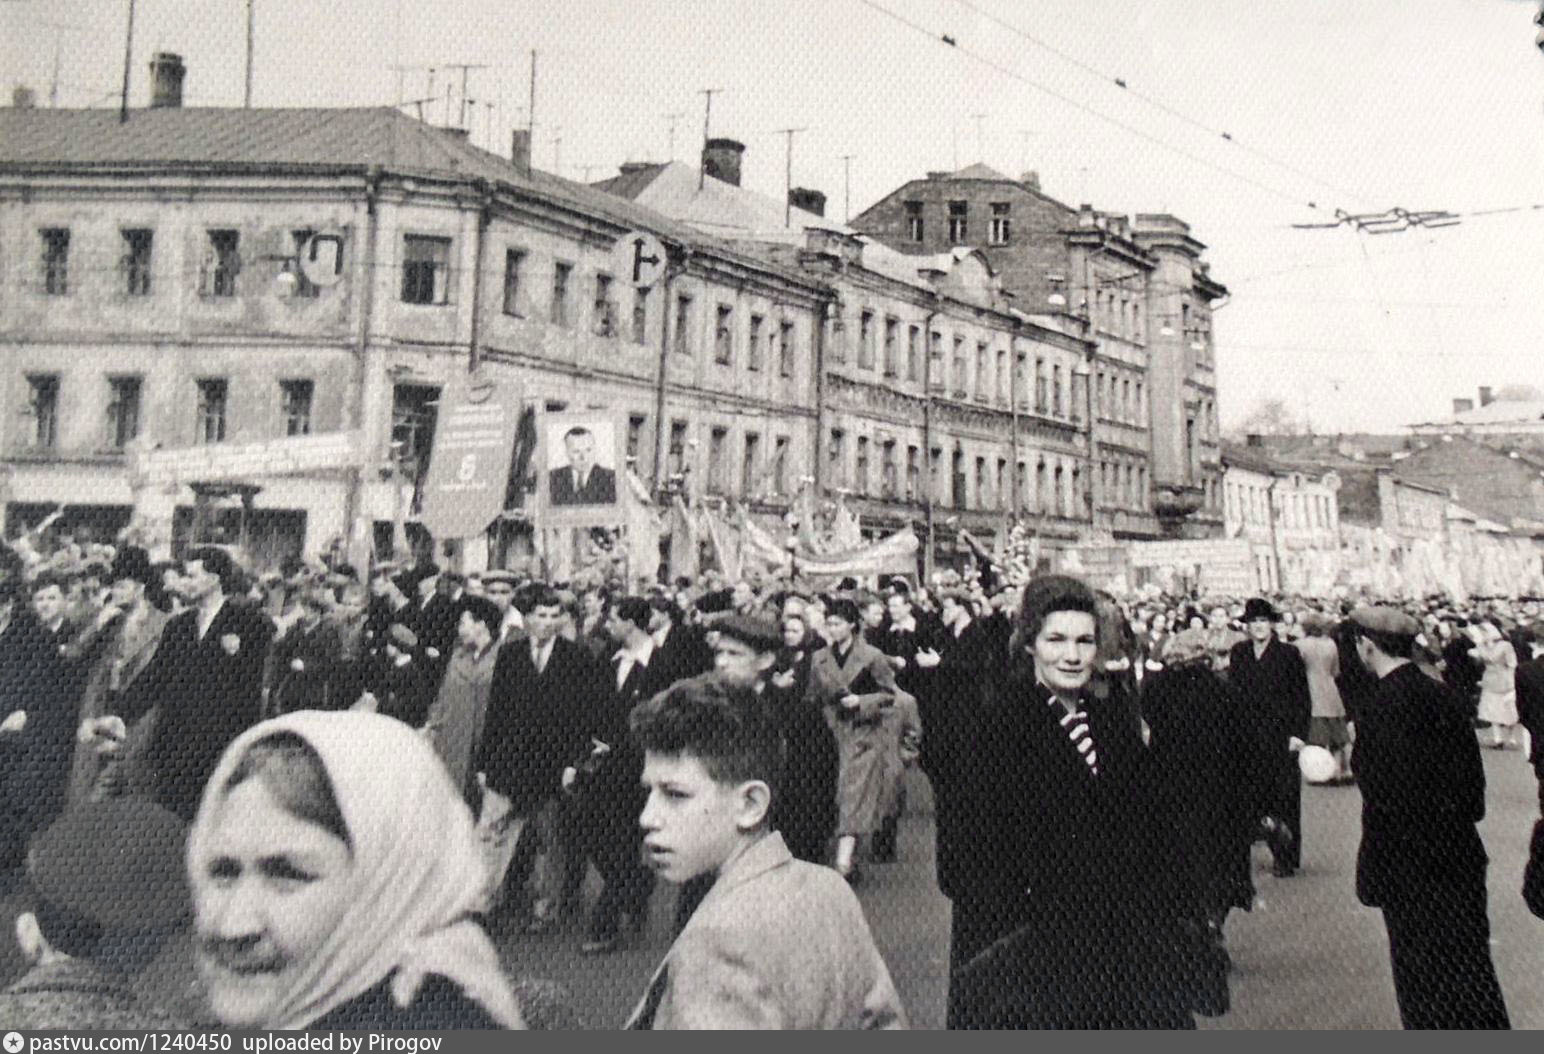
(149, 294)
(1139, 291)
(1288, 514)
(943, 405)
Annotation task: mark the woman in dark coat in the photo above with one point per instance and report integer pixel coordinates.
(854, 683)
(805, 811)
(1067, 914)
(1198, 754)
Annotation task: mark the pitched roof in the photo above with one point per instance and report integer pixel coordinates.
(209, 137)
(727, 210)
(982, 171)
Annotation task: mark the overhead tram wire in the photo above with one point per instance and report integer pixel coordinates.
(1157, 104)
(1092, 112)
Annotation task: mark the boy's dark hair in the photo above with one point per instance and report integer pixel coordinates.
(218, 563)
(540, 597)
(730, 729)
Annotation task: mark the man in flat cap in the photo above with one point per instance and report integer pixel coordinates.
(106, 891)
(1272, 683)
(1421, 860)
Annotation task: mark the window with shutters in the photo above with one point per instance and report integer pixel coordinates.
(209, 424)
(56, 260)
(222, 263)
(136, 261)
(425, 269)
(122, 410)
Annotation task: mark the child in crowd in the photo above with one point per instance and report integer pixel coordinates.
(777, 942)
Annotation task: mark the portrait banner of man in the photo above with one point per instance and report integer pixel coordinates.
(581, 459)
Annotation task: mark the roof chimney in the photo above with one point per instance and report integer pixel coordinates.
(520, 148)
(1486, 397)
(166, 73)
(1255, 440)
(808, 200)
(1461, 406)
(23, 97)
(1031, 180)
(721, 159)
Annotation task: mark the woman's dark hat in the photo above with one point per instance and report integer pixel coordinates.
(1260, 608)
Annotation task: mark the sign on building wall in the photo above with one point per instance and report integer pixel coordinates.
(579, 456)
(474, 440)
(217, 462)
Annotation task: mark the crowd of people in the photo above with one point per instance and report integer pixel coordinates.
(366, 774)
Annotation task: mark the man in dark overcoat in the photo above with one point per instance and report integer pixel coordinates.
(1271, 682)
(1421, 859)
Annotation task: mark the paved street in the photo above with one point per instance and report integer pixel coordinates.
(1308, 955)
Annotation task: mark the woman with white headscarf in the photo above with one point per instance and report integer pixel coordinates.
(335, 873)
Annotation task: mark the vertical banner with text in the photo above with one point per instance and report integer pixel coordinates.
(474, 440)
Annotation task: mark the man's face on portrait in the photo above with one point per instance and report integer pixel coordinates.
(581, 451)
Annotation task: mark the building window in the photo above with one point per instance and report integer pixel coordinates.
(1002, 392)
(837, 474)
(960, 368)
(413, 415)
(861, 470)
(1140, 406)
(888, 469)
(753, 347)
(748, 463)
(604, 319)
(983, 494)
(958, 227)
(1020, 380)
(1042, 493)
(305, 289)
(295, 400)
(866, 340)
(56, 260)
(780, 465)
(1056, 391)
(1041, 402)
(1001, 224)
(640, 316)
(983, 372)
(892, 349)
(913, 472)
(562, 274)
(959, 481)
(1002, 483)
(914, 228)
(514, 260)
(1060, 494)
(122, 411)
(677, 463)
(723, 336)
(136, 261)
(936, 365)
(683, 320)
(935, 463)
(425, 269)
(716, 439)
(913, 354)
(43, 405)
(635, 427)
(222, 263)
(209, 425)
(1125, 400)
(785, 349)
(1022, 478)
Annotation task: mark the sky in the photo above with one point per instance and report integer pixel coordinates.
(1421, 104)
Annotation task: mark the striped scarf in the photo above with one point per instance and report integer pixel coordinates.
(1075, 724)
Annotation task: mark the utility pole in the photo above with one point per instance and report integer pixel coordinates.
(672, 118)
(847, 187)
(788, 173)
(128, 60)
(980, 140)
(707, 120)
(402, 71)
(251, 27)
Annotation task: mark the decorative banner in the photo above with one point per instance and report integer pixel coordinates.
(217, 462)
(578, 470)
(474, 440)
(893, 555)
